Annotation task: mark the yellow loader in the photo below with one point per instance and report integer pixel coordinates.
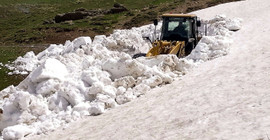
(179, 35)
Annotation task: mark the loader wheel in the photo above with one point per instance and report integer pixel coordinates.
(139, 55)
(189, 48)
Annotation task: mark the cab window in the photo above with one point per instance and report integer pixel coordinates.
(172, 25)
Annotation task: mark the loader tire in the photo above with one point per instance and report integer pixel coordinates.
(138, 55)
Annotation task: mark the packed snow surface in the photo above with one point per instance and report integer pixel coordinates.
(87, 77)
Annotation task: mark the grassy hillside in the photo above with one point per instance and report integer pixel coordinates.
(24, 21)
(32, 21)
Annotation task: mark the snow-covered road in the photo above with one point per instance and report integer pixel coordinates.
(225, 98)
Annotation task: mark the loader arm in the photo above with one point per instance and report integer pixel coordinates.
(167, 47)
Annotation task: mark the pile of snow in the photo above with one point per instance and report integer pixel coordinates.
(85, 77)
(218, 39)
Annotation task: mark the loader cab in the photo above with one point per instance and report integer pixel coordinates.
(181, 27)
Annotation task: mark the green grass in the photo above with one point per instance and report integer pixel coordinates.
(21, 21)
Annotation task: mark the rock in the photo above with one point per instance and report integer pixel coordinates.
(117, 5)
(79, 14)
(48, 22)
(81, 9)
(118, 8)
(70, 16)
(82, 13)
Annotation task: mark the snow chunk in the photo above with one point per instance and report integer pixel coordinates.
(97, 108)
(47, 87)
(22, 65)
(76, 44)
(125, 97)
(127, 82)
(16, 132)
(51, 68)
(234, 24)
(210, 47)
(26, 63)
(127, 67)
(82, 108)
(71, 93)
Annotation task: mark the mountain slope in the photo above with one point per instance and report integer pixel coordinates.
(226, 98)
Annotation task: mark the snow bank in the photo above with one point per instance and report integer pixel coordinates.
(218, 39)
(85, 77)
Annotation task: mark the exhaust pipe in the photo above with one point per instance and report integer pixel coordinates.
(155, 31)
